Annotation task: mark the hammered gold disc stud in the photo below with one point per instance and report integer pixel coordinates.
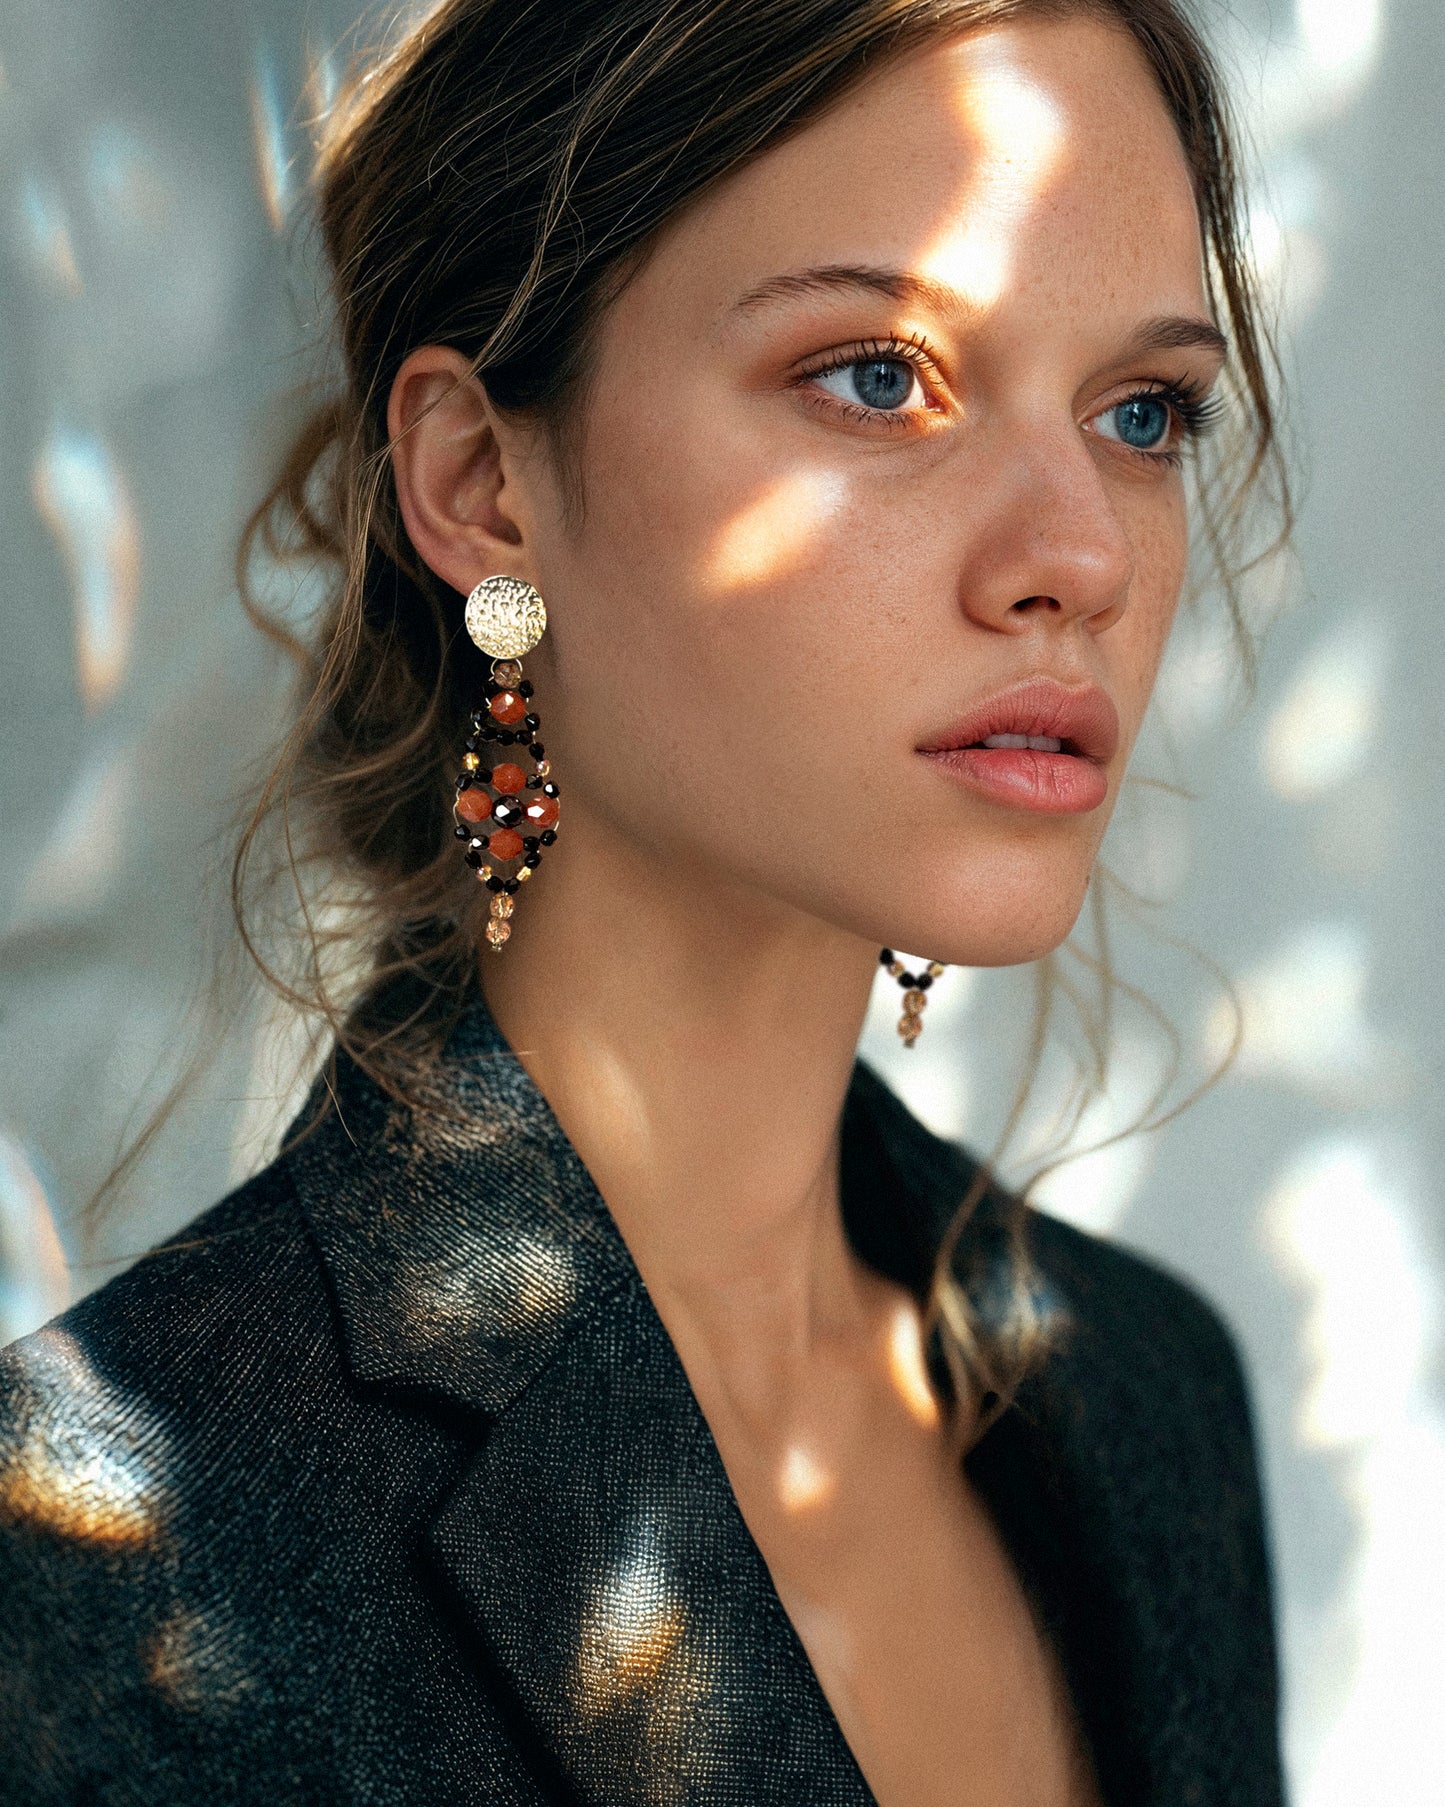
(505, 617)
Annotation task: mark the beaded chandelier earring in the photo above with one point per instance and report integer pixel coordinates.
(506, 618)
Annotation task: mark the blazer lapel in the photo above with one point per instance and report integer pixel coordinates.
(593, 1544)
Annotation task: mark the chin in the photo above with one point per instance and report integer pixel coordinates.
(1001, 920)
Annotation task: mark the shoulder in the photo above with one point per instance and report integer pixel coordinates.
(129, 1427)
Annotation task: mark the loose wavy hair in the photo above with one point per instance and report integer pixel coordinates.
(489, 181)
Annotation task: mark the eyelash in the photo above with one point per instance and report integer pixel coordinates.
(1195, 411)
(913, 350)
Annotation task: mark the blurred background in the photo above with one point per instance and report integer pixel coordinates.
(158, 304)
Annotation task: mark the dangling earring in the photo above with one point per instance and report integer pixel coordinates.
(505, 617)
(916, 987)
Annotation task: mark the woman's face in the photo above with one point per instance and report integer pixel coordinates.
(881, 459)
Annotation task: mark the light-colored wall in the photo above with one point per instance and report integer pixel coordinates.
(156, 304)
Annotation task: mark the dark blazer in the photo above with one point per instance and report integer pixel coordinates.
(383, 1484)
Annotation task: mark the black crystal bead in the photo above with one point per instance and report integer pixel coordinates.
(484, 775)
(530, 842)
(462, 834)
(532, 722)
(512, 885)
(490, 733)
(537, 750)
(547, 836)
(525, 687)
(507, 813)
(476, 719)
(549, 789)
(924, 981)
(494, 883)
(473, 856)
(534, 783)
(885, 958)
(506, 737)
(471, 743)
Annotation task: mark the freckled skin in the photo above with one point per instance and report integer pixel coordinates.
(767, 604)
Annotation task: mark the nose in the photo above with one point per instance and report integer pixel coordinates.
(1053, 549)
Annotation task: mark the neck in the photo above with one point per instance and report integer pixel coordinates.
(696, 1044)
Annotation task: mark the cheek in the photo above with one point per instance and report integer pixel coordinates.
(1159, 531)
(722, 618)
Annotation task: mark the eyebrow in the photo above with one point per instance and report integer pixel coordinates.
(1169, 332)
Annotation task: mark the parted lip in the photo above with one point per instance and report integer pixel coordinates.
(1082, 717)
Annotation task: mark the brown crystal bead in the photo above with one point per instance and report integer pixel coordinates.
(502, 905)
(507, 707)
(508, 779)
(505, 844)
(497, 932)
(508, 672)
(474, 806)
(542, 812)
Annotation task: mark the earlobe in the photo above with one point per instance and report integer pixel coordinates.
(458, 496)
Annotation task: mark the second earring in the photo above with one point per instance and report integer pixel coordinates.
(504, 813)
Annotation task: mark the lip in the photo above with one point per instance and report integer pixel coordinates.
(1069, 782)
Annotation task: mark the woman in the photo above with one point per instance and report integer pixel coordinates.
(574, 1413)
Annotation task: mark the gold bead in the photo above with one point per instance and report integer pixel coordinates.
(471, 762)
(935, 971)
(484, 873)
(544, 766)
(523, 874)
(913, 1002)
(894, 968)
(497, 932)
(502, 904)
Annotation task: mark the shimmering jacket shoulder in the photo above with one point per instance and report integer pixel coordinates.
(383, 1484)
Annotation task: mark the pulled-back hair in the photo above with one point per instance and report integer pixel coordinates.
(489, 182)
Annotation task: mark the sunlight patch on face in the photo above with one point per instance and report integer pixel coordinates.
(803, 1482)
(907, 1368)
(773, 535)
(83, 1467)
(84, 501)
(1017, 132)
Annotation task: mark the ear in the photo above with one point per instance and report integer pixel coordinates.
(458, 472)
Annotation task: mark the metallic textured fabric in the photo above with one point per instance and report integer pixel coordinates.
(383, 1484)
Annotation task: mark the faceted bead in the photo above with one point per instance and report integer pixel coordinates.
(885, 956)
(502, 905)
(544, 769)
(533, 722)
(474, 806)
(462, 834)
(473, 857)
(523, 874)
(525, 687)
(507, 707)
(497, 933)
(547, 836)
(493, 882)
(506, 736)
(550, 789)
(508, 778)
(542, 812)
(511, 884)
(505, 844)
(471, 762)
(507, 672)
(509, 814)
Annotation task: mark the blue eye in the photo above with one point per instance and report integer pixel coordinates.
(887, 385)
(1142, 422)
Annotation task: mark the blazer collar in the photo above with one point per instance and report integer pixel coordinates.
(593, 1543)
